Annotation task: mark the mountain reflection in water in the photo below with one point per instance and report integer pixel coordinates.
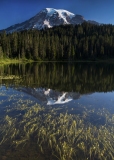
(49, 96)
(57, 111)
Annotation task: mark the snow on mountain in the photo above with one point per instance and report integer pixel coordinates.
(48, 18)
(62, 13)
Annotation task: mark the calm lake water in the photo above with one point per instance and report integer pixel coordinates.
(57, 111)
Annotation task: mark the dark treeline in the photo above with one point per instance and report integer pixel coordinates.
(77, 77)
(65, 42)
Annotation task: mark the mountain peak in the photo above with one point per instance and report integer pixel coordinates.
(48, 18)
(61, 12)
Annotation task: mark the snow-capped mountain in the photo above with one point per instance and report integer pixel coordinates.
(48, 18)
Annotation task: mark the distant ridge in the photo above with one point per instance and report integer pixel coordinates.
(47, 18)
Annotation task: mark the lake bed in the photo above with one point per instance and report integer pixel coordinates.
(57, 111)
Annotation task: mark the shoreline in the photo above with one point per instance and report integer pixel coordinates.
(13, 61)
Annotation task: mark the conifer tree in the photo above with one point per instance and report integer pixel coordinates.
(1, 52)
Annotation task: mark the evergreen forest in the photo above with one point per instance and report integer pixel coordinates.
(60, 43)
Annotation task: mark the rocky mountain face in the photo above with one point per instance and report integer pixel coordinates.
(48, 18)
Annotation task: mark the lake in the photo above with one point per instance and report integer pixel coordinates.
(57, 111)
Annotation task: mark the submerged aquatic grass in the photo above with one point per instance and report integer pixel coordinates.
(62, 134)
(58, 132)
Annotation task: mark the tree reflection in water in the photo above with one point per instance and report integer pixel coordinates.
(54, 132)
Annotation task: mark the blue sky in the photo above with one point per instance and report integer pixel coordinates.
(17, 11)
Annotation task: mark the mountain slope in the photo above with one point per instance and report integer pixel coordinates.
(48, 18)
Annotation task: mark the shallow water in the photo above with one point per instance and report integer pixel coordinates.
(52, 111)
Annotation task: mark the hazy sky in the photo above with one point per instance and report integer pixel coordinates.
(17, 11)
